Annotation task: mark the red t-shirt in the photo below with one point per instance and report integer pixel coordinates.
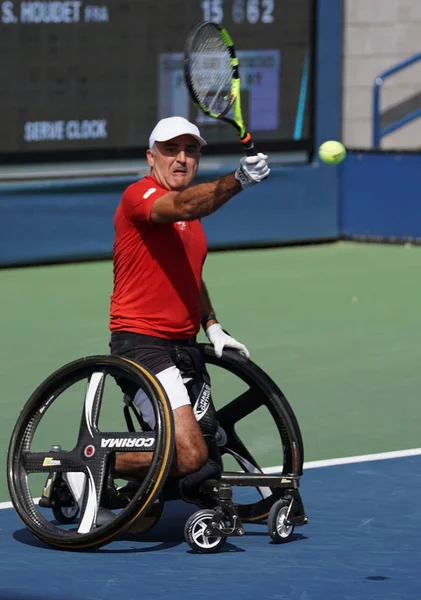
(157, 268)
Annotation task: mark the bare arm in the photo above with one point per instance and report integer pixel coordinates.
(195, 202)
(206, 310)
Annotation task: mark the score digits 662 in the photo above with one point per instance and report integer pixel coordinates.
(239, 11)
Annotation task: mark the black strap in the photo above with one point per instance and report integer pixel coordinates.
(138, 339)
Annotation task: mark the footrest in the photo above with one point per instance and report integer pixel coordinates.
(260, 480)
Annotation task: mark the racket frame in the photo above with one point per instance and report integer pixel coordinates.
(238, 121)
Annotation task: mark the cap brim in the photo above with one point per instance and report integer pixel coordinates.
(201, 141)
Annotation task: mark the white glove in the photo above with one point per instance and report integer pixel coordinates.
(220, 340)
(252, 170)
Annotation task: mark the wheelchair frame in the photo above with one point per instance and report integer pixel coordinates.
(219, 516)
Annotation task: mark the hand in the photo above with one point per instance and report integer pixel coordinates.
(220, 340)
(252, 170)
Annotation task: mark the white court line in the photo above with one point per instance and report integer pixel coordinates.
(329, 462)
(347, 460)
(10, 505)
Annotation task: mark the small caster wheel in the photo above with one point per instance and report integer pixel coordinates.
(278, 531)
(66, 514)
(195, 533)
(64, 506)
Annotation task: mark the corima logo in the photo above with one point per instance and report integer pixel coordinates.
(127, 442)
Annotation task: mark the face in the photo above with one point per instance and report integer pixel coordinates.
(174, 163)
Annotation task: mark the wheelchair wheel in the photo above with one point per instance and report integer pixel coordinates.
(197, 536)
(88, 462)
(261, 391)
(149, 520)
(278, 530)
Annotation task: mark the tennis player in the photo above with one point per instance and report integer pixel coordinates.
(159, 298)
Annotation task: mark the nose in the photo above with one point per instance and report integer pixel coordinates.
(181, 157)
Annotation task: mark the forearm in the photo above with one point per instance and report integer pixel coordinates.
(207, 311)
(205, 198)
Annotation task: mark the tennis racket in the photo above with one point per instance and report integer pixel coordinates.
(211, 72)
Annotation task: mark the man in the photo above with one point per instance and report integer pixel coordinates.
(159, 298)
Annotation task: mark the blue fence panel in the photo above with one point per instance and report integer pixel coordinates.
(296, 204)
(72, 220)
(56, 221)
(380, 196)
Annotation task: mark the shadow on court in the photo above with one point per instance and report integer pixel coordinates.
(167, 534)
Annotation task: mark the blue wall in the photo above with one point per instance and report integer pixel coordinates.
(57, 220)
(66, 220)
(69, 220)
(380, 196)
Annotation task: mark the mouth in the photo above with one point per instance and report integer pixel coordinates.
(179, 172)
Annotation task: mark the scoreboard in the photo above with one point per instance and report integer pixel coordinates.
(84, 76)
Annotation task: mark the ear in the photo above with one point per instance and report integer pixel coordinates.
(150, 157)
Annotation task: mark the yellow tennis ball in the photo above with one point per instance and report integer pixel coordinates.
(332, 152)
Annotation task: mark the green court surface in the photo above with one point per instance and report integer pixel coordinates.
(336, 326)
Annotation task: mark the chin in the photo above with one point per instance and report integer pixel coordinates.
(178, 187)
(180, 184)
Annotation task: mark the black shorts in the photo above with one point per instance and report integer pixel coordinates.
(180, 367)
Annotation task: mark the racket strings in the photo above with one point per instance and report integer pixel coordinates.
(211, 72)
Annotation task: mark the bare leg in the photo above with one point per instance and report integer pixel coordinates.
(190, 453)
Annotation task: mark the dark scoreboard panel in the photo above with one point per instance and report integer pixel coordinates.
(78, 75)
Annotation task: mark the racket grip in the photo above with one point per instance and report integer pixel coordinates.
(248, 145)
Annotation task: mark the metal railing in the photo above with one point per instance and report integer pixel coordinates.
(378, 131)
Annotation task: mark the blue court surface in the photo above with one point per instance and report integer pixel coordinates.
(363, 541)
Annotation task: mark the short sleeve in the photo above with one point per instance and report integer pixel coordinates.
(138, 200)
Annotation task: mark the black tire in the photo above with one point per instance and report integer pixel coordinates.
(262, 391)
(194, 533)
(278, 531)
(146, 522)
(21, 461)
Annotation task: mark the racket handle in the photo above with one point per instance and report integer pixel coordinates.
(248, 145)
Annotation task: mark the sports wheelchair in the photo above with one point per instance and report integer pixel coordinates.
(77, 479)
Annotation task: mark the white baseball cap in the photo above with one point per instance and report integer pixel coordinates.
(172, 127)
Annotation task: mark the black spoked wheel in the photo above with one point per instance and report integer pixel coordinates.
(85, 466)
(261, 391)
